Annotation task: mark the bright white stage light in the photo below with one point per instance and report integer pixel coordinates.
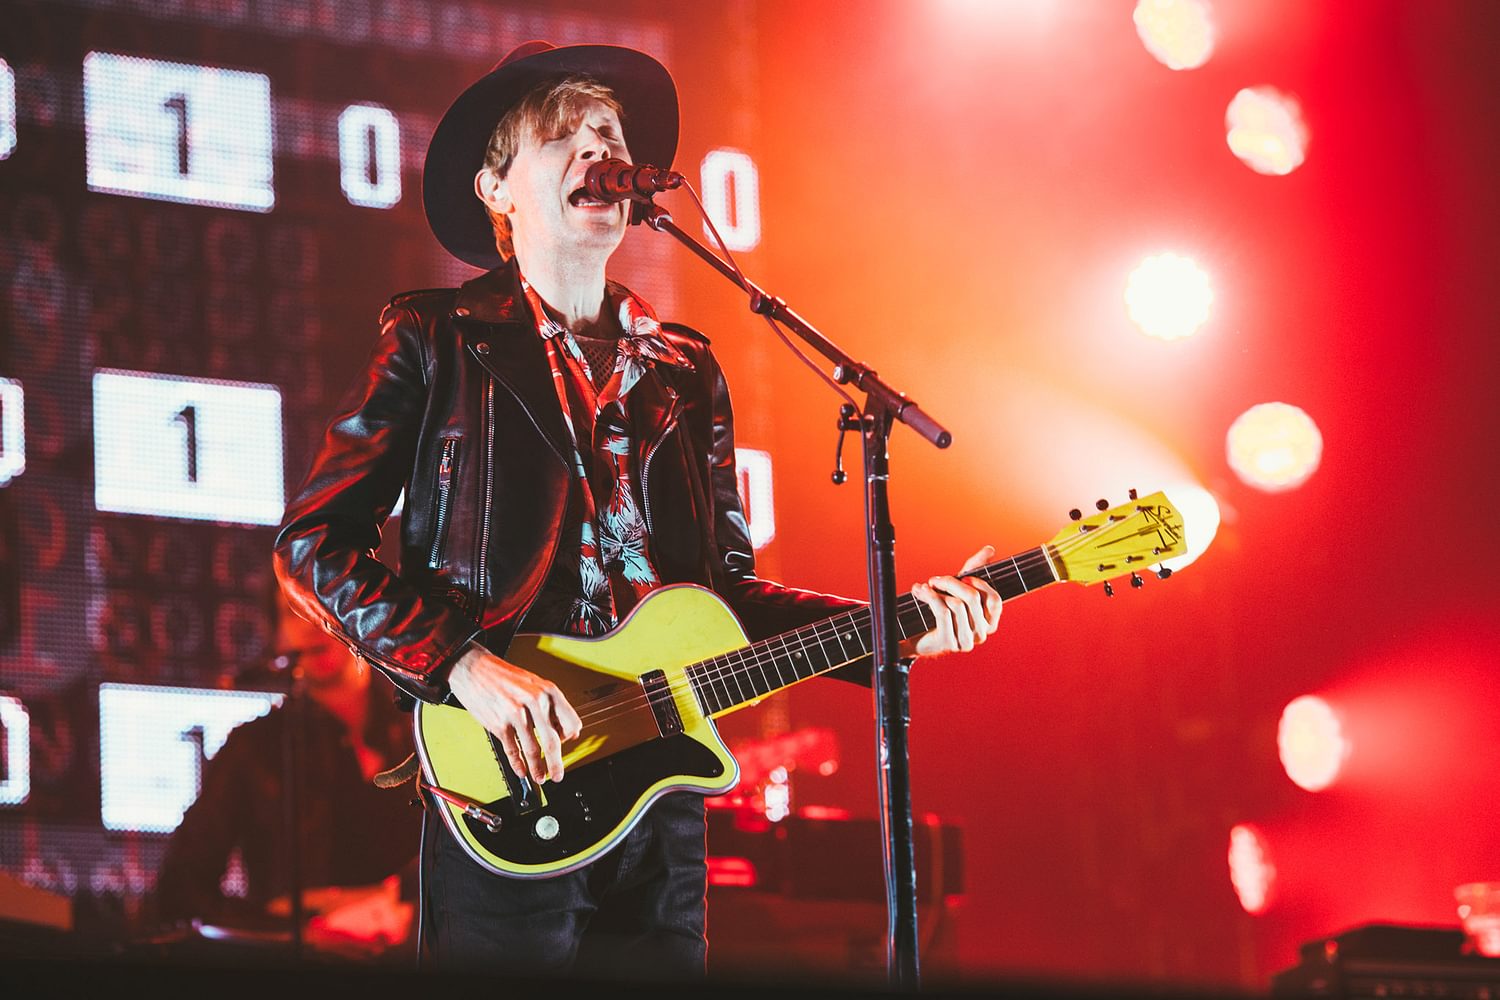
(1266, 131)
(1274, 447)
(1168, 296)
(1200, 521)
(1179, 33)
(1250, 869)
(1310, 741)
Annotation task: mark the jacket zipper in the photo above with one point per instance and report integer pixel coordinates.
(444, 492)
(646, 465)
(489, 497)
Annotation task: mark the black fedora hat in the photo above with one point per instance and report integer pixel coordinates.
(644, 88)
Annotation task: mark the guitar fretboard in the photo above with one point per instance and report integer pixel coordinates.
(735, 679)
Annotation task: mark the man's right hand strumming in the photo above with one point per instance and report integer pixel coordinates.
(518, 707)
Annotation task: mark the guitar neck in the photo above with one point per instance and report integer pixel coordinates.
(734, 680)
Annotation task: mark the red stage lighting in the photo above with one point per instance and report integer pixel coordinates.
(1178, 33)
(1310, 740)
(1168, 296)
(1250, 869)
(1274, 447)
(1266, 131)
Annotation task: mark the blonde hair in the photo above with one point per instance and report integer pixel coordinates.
(549, 111)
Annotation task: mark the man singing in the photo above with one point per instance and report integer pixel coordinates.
(563, 453)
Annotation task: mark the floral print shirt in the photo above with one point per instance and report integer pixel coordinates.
(603, 565)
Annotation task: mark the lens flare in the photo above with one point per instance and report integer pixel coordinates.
(1178, 33)
(1310, 741)
(1168, 296)
(1266, 130)
(1274, 447)
(1250, 869)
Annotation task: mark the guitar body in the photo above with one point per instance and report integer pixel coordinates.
(620, 763)
(648, 693)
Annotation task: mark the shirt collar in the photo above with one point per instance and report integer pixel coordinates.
(643, 338)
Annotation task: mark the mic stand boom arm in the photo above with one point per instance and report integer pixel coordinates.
(883, 406)
(846, 369)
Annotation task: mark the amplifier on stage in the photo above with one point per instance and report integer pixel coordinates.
(1390, 960)
(808, 893)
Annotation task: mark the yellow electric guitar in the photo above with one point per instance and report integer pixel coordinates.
(649, 690)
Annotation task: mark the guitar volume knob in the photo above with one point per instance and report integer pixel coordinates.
(546, 828)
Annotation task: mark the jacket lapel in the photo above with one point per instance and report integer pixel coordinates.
(655, 405)
(499, 333)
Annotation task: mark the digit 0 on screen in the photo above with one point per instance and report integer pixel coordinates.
(12, 430)
(7, 109)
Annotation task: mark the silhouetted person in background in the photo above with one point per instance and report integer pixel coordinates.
(356, 840)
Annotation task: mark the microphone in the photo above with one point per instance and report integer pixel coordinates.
(616, 180)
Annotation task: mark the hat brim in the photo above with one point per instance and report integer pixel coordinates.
(648, 100)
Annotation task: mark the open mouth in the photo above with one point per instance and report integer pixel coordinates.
(582, 199)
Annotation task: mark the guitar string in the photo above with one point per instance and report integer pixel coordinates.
(734, 664)
(820, 631)
(611, 706)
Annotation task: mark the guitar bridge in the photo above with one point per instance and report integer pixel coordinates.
(663, 705)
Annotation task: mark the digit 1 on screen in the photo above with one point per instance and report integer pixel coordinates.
(189, 417)
(152, 744)
(731, 196)
(12, 430)
(200, 449)
(178, 132)
(177, 104)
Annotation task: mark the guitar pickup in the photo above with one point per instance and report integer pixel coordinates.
(663, 705)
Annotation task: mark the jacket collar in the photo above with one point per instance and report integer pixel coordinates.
(497, 330)
(492, 297)
(511, 350)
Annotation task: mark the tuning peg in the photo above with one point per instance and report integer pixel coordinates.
(1075, 514)
(1136, 581)
(1133, 495)
(1102, 504)
(1164, 572)
(1109, 589)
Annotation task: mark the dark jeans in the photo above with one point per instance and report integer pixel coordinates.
(638, 911)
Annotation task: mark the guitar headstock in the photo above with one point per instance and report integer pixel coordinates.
(1119, 540)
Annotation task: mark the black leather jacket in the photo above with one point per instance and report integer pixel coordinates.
(457, 405)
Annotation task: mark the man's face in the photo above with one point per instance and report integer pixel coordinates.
(543, 191)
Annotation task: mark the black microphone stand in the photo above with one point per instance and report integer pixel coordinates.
(293, 753)
(883, 406)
